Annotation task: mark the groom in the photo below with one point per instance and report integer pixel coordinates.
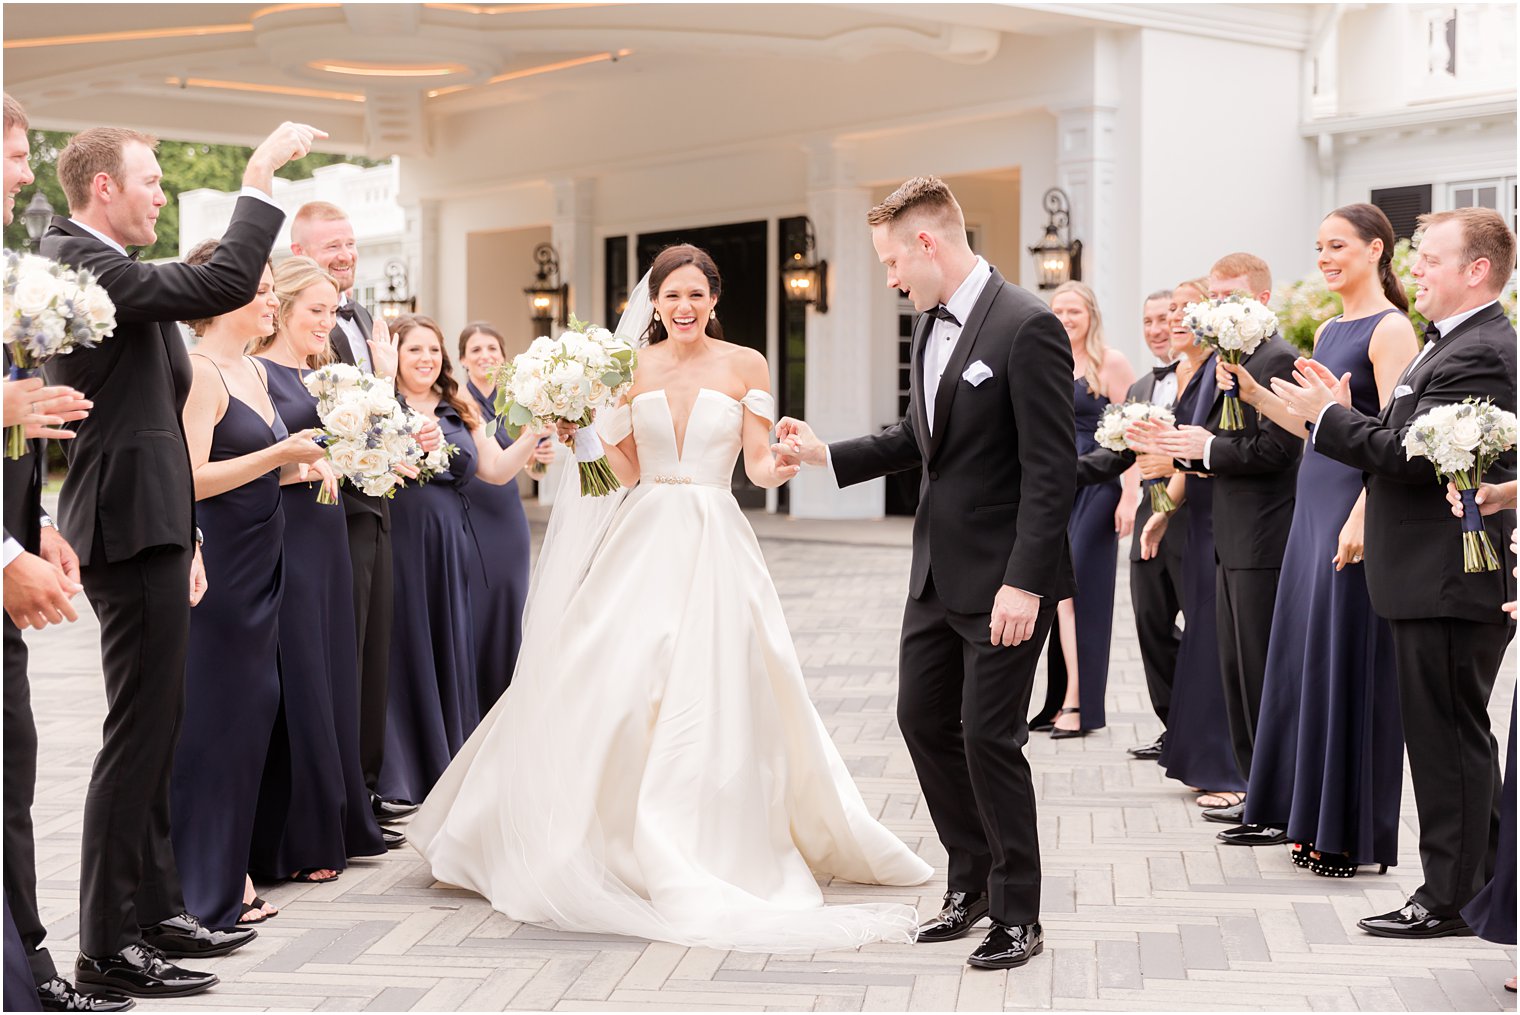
(990, 422)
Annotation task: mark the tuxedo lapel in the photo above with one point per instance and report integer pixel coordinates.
(949, 381)
(916, 400)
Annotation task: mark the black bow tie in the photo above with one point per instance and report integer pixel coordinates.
(945, 315)
(348, 311)
(1432, 333)
(1160, 372)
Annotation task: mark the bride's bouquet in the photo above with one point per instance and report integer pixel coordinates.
(50, 310)
(1234, 325)
(1113, 425)
(568, 379)
(367, 433)
(1462, 440)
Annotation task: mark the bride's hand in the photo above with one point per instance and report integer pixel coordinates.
(566, 430)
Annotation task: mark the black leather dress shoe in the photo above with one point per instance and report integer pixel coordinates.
(389, 810)
(962, 911)
(1008, 946)
(392, 838)
(183, 937)
(139, 970)
(1253, 835)
(1232, 815)
(1150, 751)
(1415, 921)
(59, 994)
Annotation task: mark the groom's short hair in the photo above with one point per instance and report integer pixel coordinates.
(926, 196)
(90, 153)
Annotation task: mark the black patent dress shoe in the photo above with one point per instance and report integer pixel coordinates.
(59, 994)
(1232, 815)
(392, 838)
(1415, 921)
(139, 970)
(1150, 751)
(389, 810)
(1008, 946)
(1253, 835)
(962, 911)
(184, 937)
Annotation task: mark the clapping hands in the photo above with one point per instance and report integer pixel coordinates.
(1313, 387)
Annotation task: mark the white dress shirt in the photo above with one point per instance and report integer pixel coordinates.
(939, 345)
(1164, 393)
(356, 342)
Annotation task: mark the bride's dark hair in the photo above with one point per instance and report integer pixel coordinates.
(667, 261)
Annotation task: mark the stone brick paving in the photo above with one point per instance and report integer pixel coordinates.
(1143, 909)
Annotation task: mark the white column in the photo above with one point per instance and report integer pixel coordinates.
(571, 231)
(419, 250)
(1087, 169)
(840, 362)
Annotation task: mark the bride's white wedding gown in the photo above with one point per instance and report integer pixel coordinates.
(656, 768)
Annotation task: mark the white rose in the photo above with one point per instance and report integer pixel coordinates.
(379, 485)
(99, 308)
(372, 461)
(33, 293)
(348, 418)
(343, 455)
(1466, 433)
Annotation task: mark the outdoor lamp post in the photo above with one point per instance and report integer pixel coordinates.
(1057, 260)
(398, 298)
(548, 298)
(37, 216)
(804, 279)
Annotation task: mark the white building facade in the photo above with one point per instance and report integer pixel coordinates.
(1178, 132)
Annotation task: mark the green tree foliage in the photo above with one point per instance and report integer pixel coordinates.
(187, 165)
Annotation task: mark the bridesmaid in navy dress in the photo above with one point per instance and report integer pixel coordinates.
(20, 993)
(1329, 758)
(1197, 751)
(434, 701)
(1100, 516)
(319, 813)
(239, 453)
(498, 575)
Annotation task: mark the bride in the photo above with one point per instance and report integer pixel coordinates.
(656, 768)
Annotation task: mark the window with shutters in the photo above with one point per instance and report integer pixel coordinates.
(1404, 206)
(1498, 194)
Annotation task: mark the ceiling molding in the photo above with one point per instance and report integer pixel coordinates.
(1249, 24)
(1448, 113)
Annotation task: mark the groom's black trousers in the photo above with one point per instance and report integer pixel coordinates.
(962, 705)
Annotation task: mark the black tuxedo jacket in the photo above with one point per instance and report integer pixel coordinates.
(1414, 548)
(1101, 465)
(998, 482)
(1255, 469)
(129, 485)
(356, 502)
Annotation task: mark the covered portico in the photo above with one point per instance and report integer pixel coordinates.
(604, 129)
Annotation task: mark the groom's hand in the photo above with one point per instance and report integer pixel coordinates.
(794, 437)
(1013, 615)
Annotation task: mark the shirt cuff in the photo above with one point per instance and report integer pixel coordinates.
(1314, 434)
(256, 192)
(1207, 445)
(1035, 594)
(13, 550)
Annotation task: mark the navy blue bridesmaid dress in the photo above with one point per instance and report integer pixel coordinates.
(498, 574)
(1329, 759)
(1095, 561)
(1197, 751)
(319, 812)
(432, 707)
(20, 990)
(1491, 913)
(232, 675)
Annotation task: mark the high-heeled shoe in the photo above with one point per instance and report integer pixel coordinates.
(1299, 852)
(1337, 865)
(1057, 733)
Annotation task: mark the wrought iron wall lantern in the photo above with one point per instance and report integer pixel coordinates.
(1057, 257)
(398, 298)
(548, 298)
(805, 278)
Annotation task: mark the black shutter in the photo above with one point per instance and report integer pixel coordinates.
(1404, 206)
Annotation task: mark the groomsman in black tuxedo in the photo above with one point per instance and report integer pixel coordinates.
(1449, 635)
(322, 232)
(1155, 585)
(1255, 472)
(990, 423)
(41, 577)
(128, 508)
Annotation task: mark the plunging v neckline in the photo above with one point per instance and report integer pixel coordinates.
(679, 437)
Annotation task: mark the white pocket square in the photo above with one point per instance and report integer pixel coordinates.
(976, 373)
(1402, 390)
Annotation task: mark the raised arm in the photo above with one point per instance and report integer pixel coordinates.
(496, 464)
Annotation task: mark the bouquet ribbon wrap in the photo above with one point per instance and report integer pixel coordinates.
(1472, 519)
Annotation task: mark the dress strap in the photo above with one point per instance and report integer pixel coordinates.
(218, 370)
(614, 425)
(761, 403)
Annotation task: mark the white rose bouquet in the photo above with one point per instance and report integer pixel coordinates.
(569, 378)
(368, 434)
(50, 310)
(1462, 440)
(1235, 326)
(1115, 422)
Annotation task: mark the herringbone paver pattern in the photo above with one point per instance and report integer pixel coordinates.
(1143, 908)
